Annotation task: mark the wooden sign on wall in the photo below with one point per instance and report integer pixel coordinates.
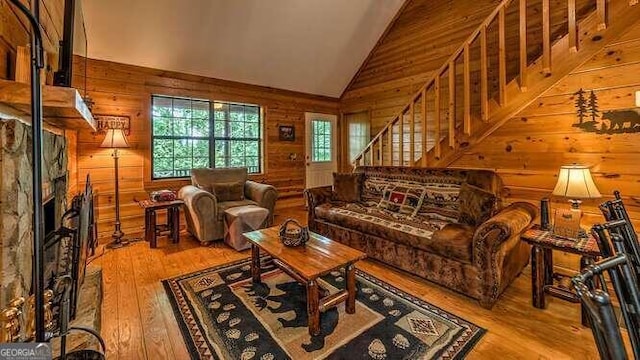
(617, 121)
(104, 122)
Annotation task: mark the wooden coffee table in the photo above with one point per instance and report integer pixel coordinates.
(318, 257)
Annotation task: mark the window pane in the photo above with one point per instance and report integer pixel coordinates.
(162, 126)
(321, 140)
(182, 130)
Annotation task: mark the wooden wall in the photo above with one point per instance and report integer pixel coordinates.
(14, 32)
(423, 36)
(119, 89)
(530, 148)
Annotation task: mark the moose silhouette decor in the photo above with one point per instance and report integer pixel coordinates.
(611, 122)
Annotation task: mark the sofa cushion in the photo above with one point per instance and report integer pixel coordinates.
(423, 232)
(231, 191)
(440, 193)
(402, 198)
(222, 206)
(476, 205)
(346, 187)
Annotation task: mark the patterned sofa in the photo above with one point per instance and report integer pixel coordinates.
(478, 261)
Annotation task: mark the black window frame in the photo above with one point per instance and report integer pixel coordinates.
(211, 134)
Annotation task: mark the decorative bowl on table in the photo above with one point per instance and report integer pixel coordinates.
(293, 234)
(163, 195)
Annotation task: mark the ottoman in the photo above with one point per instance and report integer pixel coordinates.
(241, 219)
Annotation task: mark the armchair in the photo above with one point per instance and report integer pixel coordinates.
(205, 211)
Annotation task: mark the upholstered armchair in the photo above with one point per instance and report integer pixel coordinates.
(212, 191)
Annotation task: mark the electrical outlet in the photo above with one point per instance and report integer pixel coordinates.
(637, 98)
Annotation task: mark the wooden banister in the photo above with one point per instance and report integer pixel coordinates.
(432, 133)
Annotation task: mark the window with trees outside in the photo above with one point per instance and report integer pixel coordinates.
(193, 133)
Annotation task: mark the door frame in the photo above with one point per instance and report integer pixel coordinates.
(309, 116)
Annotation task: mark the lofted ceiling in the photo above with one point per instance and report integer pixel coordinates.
(312, 46)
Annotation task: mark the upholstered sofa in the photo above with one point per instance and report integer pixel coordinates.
(478, 260)
(212, 191)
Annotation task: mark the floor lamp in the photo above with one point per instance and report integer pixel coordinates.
(115, 139)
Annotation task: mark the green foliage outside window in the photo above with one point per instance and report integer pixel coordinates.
(184, 133)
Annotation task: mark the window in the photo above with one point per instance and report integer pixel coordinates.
(320, 140)
(358, 130)
(191, 133)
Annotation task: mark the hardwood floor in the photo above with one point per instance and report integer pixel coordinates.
(138, 323)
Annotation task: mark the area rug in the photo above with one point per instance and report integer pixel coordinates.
(223, 315)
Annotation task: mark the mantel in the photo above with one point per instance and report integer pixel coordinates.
(62, 107)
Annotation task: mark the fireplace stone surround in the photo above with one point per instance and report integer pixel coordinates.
(16, 205)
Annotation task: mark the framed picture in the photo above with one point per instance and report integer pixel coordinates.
(567, 223)
(287, 132)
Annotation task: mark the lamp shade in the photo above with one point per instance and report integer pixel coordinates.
(115, 138)
(575, 182)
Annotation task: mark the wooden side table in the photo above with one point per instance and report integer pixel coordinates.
(543, 243)
(151, 229)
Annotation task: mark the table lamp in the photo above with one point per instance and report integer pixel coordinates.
(575, 182)
(115, 139)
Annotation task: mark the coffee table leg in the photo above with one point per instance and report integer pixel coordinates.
(255, 264)
(351, 289)
(313, 309)
(153, 240)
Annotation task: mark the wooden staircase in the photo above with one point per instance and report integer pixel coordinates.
(493, 76)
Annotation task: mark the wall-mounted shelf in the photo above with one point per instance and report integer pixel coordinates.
(62, 107)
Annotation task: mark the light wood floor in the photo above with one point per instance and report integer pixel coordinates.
(138, 323)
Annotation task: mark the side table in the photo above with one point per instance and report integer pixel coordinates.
(543, 243)
(151, 229)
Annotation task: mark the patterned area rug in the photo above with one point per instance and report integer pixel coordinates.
(222, 315)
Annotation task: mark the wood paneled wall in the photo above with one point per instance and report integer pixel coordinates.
(119, 89)
(14, 32)
(530, 148)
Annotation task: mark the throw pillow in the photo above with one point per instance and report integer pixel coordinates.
(403, 199)
(476, 205)
(232, 191)
(346, 187)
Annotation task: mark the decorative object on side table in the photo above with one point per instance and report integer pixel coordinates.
(115, 139)
(293, 234)
(574, 182)
(162, 195)
(542, 276)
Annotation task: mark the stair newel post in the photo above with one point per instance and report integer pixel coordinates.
(412, 134)
(436, 116)
(467, 89)
(573, 30)
(382, 133)
(390, 143)
(452, 103)
(401, 139)
(424, 126)
(546, 37)
(372, 153)
(523, 43)
(484, 80)
(502, 58)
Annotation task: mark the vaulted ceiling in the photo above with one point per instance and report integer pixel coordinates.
(312, 46)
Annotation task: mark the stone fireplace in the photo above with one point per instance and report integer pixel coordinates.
(16, 222)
